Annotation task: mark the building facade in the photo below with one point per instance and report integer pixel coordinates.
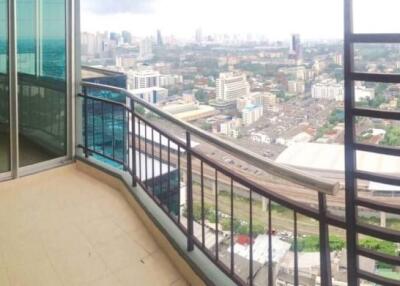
(143, 78)
(251, 114)
(231, 86)
(153, 95)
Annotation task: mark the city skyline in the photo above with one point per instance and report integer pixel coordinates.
(259, 18)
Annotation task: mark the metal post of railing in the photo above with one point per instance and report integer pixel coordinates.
(124, 139)
(189, 195)
(133, 142)
(325, 254)
(85, 114)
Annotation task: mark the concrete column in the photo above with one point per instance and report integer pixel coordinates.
(383, 219)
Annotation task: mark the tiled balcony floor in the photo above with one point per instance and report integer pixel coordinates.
(63, 227)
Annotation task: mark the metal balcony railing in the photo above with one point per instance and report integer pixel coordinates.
(178, 178)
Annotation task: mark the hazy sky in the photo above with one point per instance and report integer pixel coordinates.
(273, 18)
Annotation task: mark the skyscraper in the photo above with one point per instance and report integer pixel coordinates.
(160, 41)
(199, 36)
(296, 51)
(127, 37)
(146, 49)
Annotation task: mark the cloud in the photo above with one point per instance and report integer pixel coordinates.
(118, 6)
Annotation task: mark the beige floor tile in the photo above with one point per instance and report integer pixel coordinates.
(87, 212)
(114, 205)
(144, 239)
(23, 249)
(100, 230)
(121, 252)
(65, 239)
(109, 280)
(136, 274)
(63, 227)
(130, 223)
(4, 277)
(38, 273)
(78, 268)
(158, 264)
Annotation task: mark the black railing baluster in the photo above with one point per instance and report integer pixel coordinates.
(295, 251)
(124, 138)
(251, 239)
(152, 162)
(169, 177)
(140, 149)
(160, 177)
(203, 231)
(133, 143)
(232, 233)
(113, 131)
(270, 263)
(93, 127)
(103, 128)
(85, 114)
(216, 216)
(145, 157)
(325, 255)
(189, 188)
(179, 184)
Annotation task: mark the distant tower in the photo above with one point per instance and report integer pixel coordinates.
(199, 36)
(146, 49)
(127, 37)
(296, 51)
(159, 39)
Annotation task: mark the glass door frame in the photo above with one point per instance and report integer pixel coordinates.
(70, 23)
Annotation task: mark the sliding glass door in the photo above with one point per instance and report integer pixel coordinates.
(4, 91)
(41, 47)
(33, 84)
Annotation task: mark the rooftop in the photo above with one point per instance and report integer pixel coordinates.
(308, 155)
(92, 72)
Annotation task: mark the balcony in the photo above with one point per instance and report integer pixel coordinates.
(147, 199)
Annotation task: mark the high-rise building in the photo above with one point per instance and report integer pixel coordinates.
(146, 49)
(160, 41)
(127, 37)
(114, 36)
(143, 78)
(296, 51)
(199, 36)
(231, 86)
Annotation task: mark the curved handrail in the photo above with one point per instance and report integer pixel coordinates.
(282, 171)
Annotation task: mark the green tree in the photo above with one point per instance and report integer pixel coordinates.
(381, 246)
(311, 243)
(392, 137)
(201, 96)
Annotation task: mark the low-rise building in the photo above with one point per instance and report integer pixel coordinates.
(251, 114)
(189, 111)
